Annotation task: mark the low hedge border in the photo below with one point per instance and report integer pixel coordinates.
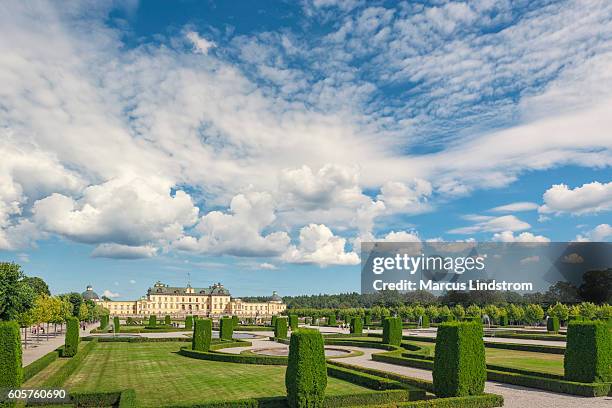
(372, 381)
(526, 336)
(136, 339)
(58, 378)
(221, 344)
(536, 348)
(359, 343)
(37, 366)
(254, 328)
(120, 399)
(472, 401)
(233, 358)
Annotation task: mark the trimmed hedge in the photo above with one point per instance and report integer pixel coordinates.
(71, 342)
(367, 319)
(306, 377)
(116, 324)
(37, 366)
(472, 401)
(331, 319)
(104, 319)
(552, 324)
(503, 320)
(121, 399)
(280, 328)
(226, 328)
(273, 322)
(234, 358)
(11, 373)
(235, 321)
(425, 322)
(152, 320)
(588, 355)
(392, 331)
(293, 322)
(167, 320)
(459, 364)
(371, 381)
(189, 323)
(136, 339)
(356, 325)
(57, 379)
(202, 335)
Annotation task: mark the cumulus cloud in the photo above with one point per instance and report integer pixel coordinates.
(601, 233)
(589, 198)
(117, 251)
(110, 294)
(486, 223)
(404, 197)
(267, 266)
(508, 236)
(515, 207)
(318, 245)
(200, 44)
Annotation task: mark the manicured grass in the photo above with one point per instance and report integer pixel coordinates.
(157, 373)
(39, 379)
(526, 360)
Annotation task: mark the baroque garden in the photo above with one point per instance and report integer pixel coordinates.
(213, 350)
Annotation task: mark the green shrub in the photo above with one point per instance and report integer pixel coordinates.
(425, 322)
(392, 331)
(167, 320)
(226, 328)
(459, 364)
(11, 373)
(116, 324)
(128, 399)
(234, 358)
(367, 319)
(235, 321)
(273, 321)
(71, 343)
(306, 377)
(356, 325)
(331, 319)
(293, 322)
(152, 320)
(447, 318)
(202, 335)
(503, 320)
(552, 324)
(280, 328)
(189, 322)
(104, 319)
(588, 354)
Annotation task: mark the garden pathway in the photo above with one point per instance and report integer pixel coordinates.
(37, 349)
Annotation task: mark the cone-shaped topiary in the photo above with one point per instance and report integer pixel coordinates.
(202, 335)
(189, 322)
(11, 372)
(71, 342)
(226, 328)
(116, 324)
(280, 330)
(306, 376)
(293, 322)
(588, 354)
(459, 363)
(356, 325)
(392, 331)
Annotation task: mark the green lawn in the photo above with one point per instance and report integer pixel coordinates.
(157, 373)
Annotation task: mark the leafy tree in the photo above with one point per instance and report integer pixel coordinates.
(38, 285)
(596, 286)
(515, 313)
(459, 311)
(76, 300)
(473, 310)
(534, 313)
(432, 311)
(564, 292)
(418, 311)
(15, 296)
(83, 314)
(492, 311)
(588, 310)
(559, 310)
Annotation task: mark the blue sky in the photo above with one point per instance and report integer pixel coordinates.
(258, 143)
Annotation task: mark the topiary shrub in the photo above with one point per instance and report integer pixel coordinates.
(226, 328)
(280, 328)
(104, 319)
(306, 376)
(331, 319)
(167, 320)
(235, 320)
(152, 320)
(552, 324)
(11, 372)
(503, 320)
(459, 364)
(189, 322)
(273, 322)
(588, 353)
(116, 324)
(425, 322)
(202, 335)
(367, 319)
(71, 342)
(392, 331)
(356, 325)
(293, 322)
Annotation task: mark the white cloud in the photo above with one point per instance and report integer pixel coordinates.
(319, 245)
(590, 198)
(492, 224)
(200, 44)
(132, 281)
(403, 197)
(118, 251)
(601, 233)
(110, 294)
(515, 207)
(267, 266)
(530, 259)
(508, 236)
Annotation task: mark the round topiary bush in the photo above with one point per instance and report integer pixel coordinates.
(11, 372)
(71, 342)
(306, 376)
(392, 331)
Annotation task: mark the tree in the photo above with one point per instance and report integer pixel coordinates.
(38, 285)
(587, 310)
(15, 296)
(459, 311)
(473, 311)
(596, 286)
(42, 311)
(76, 300)
(515, 313)
(564, 292)
(432, 311)
(83, 314)
(559, 310)
(534, 313)
(492, 311)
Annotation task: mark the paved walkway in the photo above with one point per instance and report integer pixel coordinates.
(38, 348)
(514, 396)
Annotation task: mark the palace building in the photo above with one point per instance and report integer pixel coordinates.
(213, 301)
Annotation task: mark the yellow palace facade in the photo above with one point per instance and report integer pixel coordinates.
(213, 301)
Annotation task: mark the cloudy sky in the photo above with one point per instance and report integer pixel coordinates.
(258, 143)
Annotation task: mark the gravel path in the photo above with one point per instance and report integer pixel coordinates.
(38, 349)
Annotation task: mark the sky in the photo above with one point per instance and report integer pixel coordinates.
(259, 143)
